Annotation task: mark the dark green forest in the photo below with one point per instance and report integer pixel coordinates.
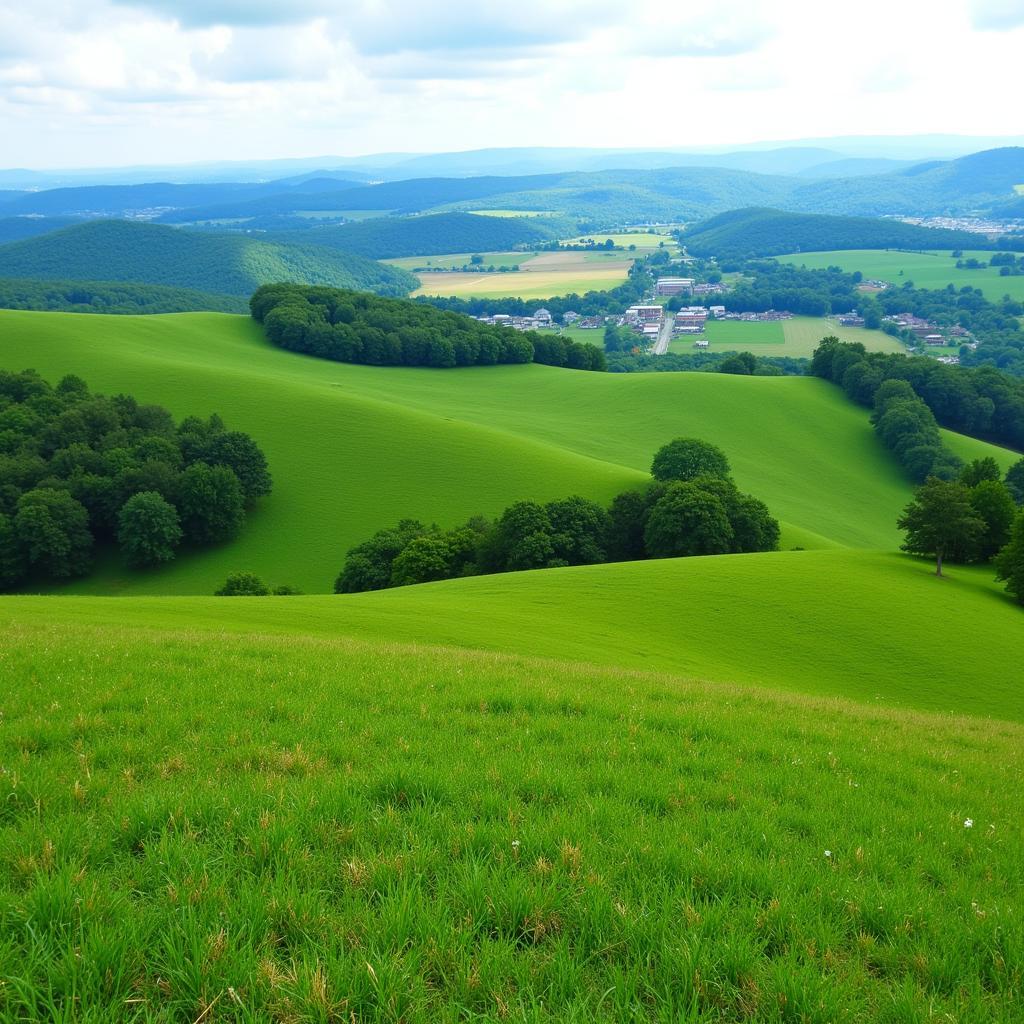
(112, 297)
(741, 234)
(356, 327)
(231, 264)
(435, 234)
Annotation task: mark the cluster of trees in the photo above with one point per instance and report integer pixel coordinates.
(111, 297)
(707, 362)
(594, 303)
(692, 508)
(757, 231)
(982, 402)
(78, 468)
(973, 518)
(248, 584)
(356, 327)
(906, 426)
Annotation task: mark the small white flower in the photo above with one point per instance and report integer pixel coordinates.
(968, 823)
(515, 844)
(828, 853)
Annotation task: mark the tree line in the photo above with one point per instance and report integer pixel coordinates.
(982, 402)
(356, 327)
(111, 297)
(692, 507)
(972, 518)
(79, 469)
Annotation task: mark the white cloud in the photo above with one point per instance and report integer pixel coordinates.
(997, 14)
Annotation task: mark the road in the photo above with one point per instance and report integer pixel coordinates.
(660, 347)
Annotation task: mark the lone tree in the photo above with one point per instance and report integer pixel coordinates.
(940, 520)
(148, 529)
(1010, 561)
(688, 457)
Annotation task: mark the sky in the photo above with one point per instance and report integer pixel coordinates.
(113, 82)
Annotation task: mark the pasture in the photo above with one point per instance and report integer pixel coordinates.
(926, 270)
(356, 448)
(798, 337)
(241, 824)
(540, 276)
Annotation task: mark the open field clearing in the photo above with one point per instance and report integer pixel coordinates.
(926, 270)
(498, 259)
(643, 240)
(532, 281)
(798, 337)
(514, 213)
(356, 448)
(313, 828)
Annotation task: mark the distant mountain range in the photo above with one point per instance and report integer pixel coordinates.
(974, 183)
(799, 156)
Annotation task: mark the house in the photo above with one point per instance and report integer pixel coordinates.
(717, 310)
(673, 285)
(851, 320)
(701, 343)
(542, 316)
(934, 339)
(645, 314)
(570, 317)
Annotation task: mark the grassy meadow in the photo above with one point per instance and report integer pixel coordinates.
(240, 826)
(925, 269)
(798, 337)
(354, 448)
(781, 788)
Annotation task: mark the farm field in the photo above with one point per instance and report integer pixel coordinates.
(460, 260)
(643, 240)
(926, 270)
(311, 827)
(797, 337)
(394, 443)
(540, 276)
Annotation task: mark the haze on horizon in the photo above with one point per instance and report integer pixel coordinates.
(175, 81)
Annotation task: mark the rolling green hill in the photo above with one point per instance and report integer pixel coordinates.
(353, 448)
(433, 234)
(309, 827)
(153, 254)
(740, 234)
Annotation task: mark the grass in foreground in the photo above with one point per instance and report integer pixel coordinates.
(237, 828)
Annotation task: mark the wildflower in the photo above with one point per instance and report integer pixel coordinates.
(968, 823)
(515, 844)
(828, 853)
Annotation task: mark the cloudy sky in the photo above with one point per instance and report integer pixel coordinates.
(159, 81)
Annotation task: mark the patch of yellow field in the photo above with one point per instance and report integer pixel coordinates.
(532, 282)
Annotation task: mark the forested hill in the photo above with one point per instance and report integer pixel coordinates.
(226, 264)
(434, 234)
(741, 234)
(112, 297)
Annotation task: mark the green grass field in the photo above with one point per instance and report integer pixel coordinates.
(240, 825)
(798, 337)
(926, 270)
(353, 448)
(782, 788)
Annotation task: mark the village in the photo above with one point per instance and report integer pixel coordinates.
(655, 324)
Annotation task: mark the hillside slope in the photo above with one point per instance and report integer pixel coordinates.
(839, 623)
(434, 234)
(113, 250)
(740, 234)
(326, 829)
(354, 448)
